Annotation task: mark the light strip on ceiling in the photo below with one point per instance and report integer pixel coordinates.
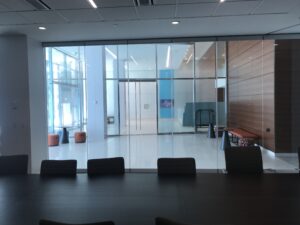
(111, 53)
(189, 59)
(133, 59)
(168, 57)
(93, 4)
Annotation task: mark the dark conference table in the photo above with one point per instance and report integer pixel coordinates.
(137, 198)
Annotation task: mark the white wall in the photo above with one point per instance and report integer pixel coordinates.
(23, 116)
(14, 96)
(38, 104)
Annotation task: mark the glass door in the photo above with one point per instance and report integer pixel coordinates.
(138, 110)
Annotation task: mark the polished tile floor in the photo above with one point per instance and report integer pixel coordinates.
(142, 151)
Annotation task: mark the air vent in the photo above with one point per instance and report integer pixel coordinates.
(143, 2)
(39, 4)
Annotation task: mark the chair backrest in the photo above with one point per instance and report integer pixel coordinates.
(106, 166)
(176, 166)
(244, 160)
(14, 165)
(49, 222)
(164, 221)
(58, 168)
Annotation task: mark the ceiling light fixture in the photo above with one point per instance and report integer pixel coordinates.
(111, 53)
(93, 4)
(168, 59)
(189, 59)
(133, 59)
(221, 1)
(42, 28)
(175, 22)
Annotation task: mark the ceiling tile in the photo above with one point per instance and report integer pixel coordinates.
(196, 10)
(157, 12)
(164, 2)
(296, 10)
(114, 3)
(16, 5)
(295, 29)
(196, 1)
(11, 18)
(43, 17)
(68, 4)
(276, 6)
(3, 8)
(236, 8)
(82, 15)
(124, 13)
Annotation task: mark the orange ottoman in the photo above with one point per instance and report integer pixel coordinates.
(53, 139)
(80, 137)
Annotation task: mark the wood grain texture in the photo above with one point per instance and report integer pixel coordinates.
(137, 198)
(251, 88)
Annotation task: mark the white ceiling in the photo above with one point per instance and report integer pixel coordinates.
(71, 20)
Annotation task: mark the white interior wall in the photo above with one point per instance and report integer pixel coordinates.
(14, 96)
(38, 104)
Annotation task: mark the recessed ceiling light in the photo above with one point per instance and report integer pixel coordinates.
(222, 1)
(175, 22)
(93, 4)
(42, 28)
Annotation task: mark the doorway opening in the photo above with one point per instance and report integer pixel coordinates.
(137, 106)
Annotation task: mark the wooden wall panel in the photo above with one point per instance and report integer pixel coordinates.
(283, 96)
(251, 88)
(287, 92)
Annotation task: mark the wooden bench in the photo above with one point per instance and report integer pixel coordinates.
(243, 137)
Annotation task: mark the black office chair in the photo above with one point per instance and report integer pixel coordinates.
(107, 166)
(52, 168)
(49, 222)
(164, 221)
(176, 166)
(244, 160)
(14, 165)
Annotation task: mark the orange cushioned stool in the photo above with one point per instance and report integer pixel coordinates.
(80, 137)
(53, 139)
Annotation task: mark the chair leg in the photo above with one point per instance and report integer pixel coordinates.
(211, 132)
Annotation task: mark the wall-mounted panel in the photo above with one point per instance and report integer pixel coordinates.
(251, 88)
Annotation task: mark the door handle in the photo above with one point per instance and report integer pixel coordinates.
(140, 105)
(135, 103)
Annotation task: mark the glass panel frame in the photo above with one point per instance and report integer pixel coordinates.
(174, 68)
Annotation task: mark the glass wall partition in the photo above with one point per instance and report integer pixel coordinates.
(142, 102)
(145, 101)
(66, 80)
